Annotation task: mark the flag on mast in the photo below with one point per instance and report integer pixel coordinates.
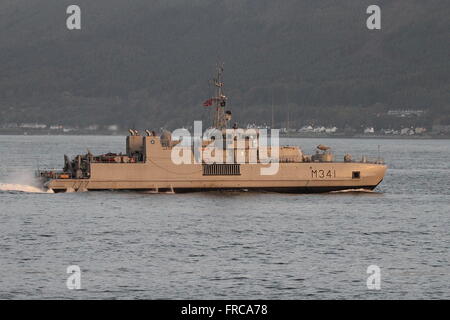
(208, 103)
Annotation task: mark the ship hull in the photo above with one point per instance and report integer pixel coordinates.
(290, 178)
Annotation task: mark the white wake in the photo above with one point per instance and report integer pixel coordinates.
(22, 188)
(354, 190)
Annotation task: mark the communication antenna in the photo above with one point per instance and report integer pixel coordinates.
(379, 157)
(288, 111)
(272, 112)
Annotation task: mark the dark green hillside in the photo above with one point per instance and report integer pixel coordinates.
(147, 63)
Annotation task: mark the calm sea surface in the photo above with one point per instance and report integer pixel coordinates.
(232, 245)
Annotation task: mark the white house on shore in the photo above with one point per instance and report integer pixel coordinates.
(369, 130)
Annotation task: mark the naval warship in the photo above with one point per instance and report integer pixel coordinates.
(237, 162)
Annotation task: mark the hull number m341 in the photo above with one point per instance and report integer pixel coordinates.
(323, 174)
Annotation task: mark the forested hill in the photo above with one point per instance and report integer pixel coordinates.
(145, 63)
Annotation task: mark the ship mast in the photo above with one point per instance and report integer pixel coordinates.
(219, 100)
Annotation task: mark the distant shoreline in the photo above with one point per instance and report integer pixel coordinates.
(37, 132)
(360, 136)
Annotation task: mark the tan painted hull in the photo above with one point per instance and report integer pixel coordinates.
(166, 176)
